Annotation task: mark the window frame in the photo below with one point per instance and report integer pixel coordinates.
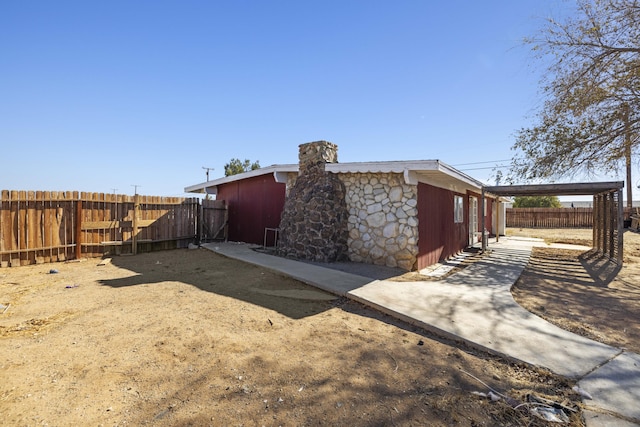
(458, 209)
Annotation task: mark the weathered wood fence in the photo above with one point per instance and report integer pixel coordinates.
(554, 217)
(549, 217)
(44, 226)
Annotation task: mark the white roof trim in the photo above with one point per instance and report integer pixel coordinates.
(382, 167)
(451, 171)
(410, 177)
(414, 171)
(409, 169)
(209, 187)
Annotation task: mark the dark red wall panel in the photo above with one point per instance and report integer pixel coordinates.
(488, 219)
(254, 204)
(438, 235)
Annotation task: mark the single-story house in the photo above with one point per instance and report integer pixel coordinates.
(407, 214)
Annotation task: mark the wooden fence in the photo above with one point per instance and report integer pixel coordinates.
(549, 217)
(43, 226)
(553, 217)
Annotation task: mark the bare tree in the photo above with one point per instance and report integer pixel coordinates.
(590, 120)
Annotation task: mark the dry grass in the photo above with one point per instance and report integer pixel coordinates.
(571, 236)
(182, 338)
(581, 291)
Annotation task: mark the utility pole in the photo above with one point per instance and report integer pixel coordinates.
(135, 188)
(207, 169)
(627, 154)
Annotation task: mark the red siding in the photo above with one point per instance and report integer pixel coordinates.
(438, 235)
(254, 204)
(488, 219)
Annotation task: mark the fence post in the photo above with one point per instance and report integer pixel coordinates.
(78, 234)
(134, 234)
(200, 220)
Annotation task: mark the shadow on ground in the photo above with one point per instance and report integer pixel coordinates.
(581, 292)
(211, 272)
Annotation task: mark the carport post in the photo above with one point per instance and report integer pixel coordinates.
(620, 221)
(484, 240)
(498, 209)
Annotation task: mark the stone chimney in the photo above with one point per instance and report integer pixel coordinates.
(314, 219)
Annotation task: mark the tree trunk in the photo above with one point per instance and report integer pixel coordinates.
(627, 155)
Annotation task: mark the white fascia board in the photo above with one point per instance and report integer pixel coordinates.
(406, 168)
(196, 188)
(210, 187)
(202, 188)
(411, 171)
(382, 167)
(455, 173)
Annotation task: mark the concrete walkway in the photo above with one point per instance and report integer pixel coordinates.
(475, 305)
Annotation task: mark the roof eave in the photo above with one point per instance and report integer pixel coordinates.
(569, 189)
(210, 187)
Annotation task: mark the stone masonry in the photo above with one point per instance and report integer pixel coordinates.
(382, 223)
(314, 219)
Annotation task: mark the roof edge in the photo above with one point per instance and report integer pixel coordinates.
(274, 169)
(566, 189)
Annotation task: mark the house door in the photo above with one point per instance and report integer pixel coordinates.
(473, 220)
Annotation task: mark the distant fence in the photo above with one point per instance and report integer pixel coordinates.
(43, 226)
(549, 217)
(552, 217)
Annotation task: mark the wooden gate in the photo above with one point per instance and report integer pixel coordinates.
(213, 223)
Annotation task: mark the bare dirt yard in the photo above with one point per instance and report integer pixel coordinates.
(580, 292)
(190, 338)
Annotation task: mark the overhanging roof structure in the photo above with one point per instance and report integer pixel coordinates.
(210, 187)
(608, 215)
(574, 189)
(433, 172)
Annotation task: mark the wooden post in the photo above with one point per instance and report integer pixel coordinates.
(498, 208)
(14, 247)
(620, 242)
(594, 222)
(5, 230)
(134, 234)
(200, 220)
(484, 241)
(78, 228)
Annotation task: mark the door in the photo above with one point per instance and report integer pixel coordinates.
(473, 220)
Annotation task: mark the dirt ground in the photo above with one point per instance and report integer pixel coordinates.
(581, 292)
(190, 338)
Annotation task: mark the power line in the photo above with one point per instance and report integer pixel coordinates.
(480, 163)
(488, 167)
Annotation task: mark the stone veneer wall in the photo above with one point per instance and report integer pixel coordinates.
(314, 219)
(382, 223)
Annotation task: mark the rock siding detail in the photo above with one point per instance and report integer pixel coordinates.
(382, 222)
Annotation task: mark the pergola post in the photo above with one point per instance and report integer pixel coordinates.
(608, 211)
(484, 240)
(620, 229)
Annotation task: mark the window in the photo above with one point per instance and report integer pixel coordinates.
(458, 209)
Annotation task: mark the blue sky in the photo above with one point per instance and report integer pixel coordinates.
(102, 95)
